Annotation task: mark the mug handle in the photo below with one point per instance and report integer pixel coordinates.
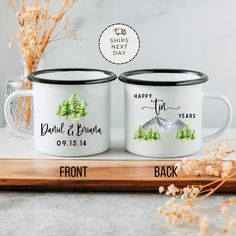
(228, 118)
(7, 112)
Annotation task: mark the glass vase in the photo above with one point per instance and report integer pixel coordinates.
(18, 105)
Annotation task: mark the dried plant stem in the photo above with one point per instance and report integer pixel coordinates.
(36, 29)
(217, 187)
(214, 182)
(205, 191)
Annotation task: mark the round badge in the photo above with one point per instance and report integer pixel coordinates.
(119, 43)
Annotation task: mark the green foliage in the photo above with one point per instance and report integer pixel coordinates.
(83, 109)
(59, 110)
(149, 135)
(66, 109)
(186, 134)
(139, 134)
(156, 136)
(73, 108)
(75, 103)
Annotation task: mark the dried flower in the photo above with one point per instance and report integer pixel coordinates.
(183, 207)
(161, 189)
(211, 164)
(36, 30)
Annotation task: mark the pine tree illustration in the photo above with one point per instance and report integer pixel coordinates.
(139, 134)
(156, 136)
(66, 109)
(178, 135)
(75, 103)
(83, 109)
(143, 135)
(186, 133)
(73, 109)
(59, 111)
(149, 134)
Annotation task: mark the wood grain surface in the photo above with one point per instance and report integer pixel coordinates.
(100, 176)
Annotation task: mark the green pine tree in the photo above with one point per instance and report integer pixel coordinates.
(146, 136)
(150, 134)
(185, 134)
(83, 109)
(178, 136)
(66, 109)
(156, 136)
(139, 134)
(143, 135)
(75, 103)
(193, 135)
(73, 109)
(59, 111)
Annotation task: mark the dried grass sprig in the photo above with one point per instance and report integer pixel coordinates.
(37, 28)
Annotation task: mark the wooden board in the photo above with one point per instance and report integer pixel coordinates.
(94, 175)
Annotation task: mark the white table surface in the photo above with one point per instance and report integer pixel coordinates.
(88, 214)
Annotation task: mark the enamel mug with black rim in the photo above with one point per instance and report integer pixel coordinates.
(163, 112)
(71, 111)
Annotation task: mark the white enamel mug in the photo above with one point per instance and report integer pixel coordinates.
(71, 111)
(163, 112)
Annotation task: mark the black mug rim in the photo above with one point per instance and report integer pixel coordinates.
(124, 77)
(35, 78)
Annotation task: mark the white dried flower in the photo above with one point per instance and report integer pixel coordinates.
(224, 174)
(210, 170)
(172, 189)
(161, 189)
(167, 193)
(198, 172)
(226, 166)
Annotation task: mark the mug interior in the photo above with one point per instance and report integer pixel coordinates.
(72, 76)
(163, 77)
